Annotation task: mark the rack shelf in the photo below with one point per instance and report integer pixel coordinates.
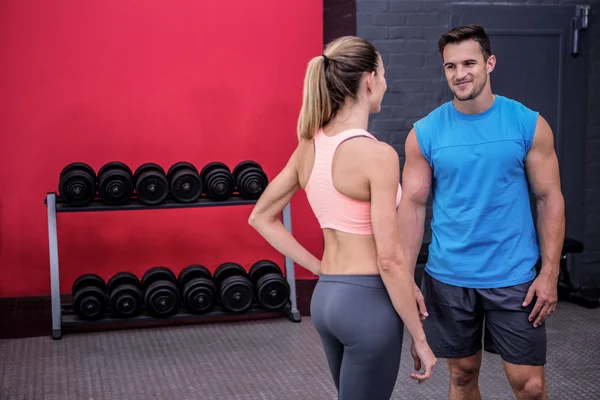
(135, 204)
(62, 314)
(70, 320)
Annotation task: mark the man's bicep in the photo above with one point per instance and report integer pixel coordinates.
(541, 163)
(416, 175)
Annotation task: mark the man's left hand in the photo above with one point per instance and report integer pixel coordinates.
(544, 287)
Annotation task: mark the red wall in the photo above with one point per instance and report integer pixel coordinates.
(140, 81)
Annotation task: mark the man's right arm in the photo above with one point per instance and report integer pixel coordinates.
(416, 186)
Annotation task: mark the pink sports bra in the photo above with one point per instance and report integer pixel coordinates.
(333, 209)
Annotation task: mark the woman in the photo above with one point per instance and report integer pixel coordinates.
(364, 295)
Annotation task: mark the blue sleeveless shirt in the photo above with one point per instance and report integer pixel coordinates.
(483, 233)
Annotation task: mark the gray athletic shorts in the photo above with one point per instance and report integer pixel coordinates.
(459, 316)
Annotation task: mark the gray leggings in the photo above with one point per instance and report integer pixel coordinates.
(361, 334)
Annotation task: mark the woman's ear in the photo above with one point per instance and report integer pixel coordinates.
(370, 80)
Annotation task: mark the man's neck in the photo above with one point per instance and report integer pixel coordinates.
(481, 103)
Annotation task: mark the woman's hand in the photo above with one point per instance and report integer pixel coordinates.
(423, 357)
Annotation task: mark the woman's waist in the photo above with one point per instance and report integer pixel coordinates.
(349, 267)
(364, 280)
(348, 263)
(344, 251)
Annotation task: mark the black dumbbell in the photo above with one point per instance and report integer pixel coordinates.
(77, 184)
(272, 289)
(115, 183)
(125, 295)
(250, 179)
(235, 289)
(184, 182)
(160, 292)
(89, 297)
(198, 291)
(217, 181)
(151, 184)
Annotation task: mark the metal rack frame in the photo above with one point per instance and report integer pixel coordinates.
(65, 317)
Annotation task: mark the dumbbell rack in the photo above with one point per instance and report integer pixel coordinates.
(63, 315)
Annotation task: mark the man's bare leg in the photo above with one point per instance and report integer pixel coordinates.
(527, 382)
(464, 378)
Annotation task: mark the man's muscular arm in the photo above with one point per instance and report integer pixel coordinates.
(542, 171)
(416, 186)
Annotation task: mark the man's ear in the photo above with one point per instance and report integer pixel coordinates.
(491, 64)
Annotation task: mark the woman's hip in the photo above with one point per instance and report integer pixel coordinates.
(353, 305)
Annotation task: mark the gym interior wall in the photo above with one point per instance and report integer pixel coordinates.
(140, 82)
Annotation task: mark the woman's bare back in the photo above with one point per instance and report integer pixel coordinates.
(345, 253)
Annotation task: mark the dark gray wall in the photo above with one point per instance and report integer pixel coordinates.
(592, 158)
(406, 33)
(339, 19)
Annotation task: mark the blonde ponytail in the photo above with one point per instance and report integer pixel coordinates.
(316, 102)
(330, 79)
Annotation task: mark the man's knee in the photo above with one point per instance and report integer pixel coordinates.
(465, 372)
(535, 388)
(532, 388)
(528, 382)
(463, 376)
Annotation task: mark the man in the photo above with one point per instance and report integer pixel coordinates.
(478, 155)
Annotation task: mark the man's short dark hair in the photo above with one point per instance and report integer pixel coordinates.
(467, 32)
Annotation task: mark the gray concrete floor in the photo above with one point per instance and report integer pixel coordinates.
(269, 359)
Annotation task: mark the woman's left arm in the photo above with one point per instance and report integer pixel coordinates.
(265, 217)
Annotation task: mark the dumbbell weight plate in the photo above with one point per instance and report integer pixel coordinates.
(199, 295)
(226, 270)
(235, 289)
(126, 301)
(245, 164)
(125, 298)
(215, 165)
(250, 179)
(162, 299)
(77, 184)
(157, 274)
(198, 290)
(161, 294)
(261, 268)
(88, 280)
(192, 272)
(115, 165)
(184, 182)
(121, 278)
(89, 303)
(77, 166)
(236, 294)
(147, 167)
(115, 183)
(151, 183)
(273, 291)
(182, 165)
(89, 297)
(217, 181)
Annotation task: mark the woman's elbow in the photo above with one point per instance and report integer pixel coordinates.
(388, 263)
(253, 220)
(390, 258)
(257, 219)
